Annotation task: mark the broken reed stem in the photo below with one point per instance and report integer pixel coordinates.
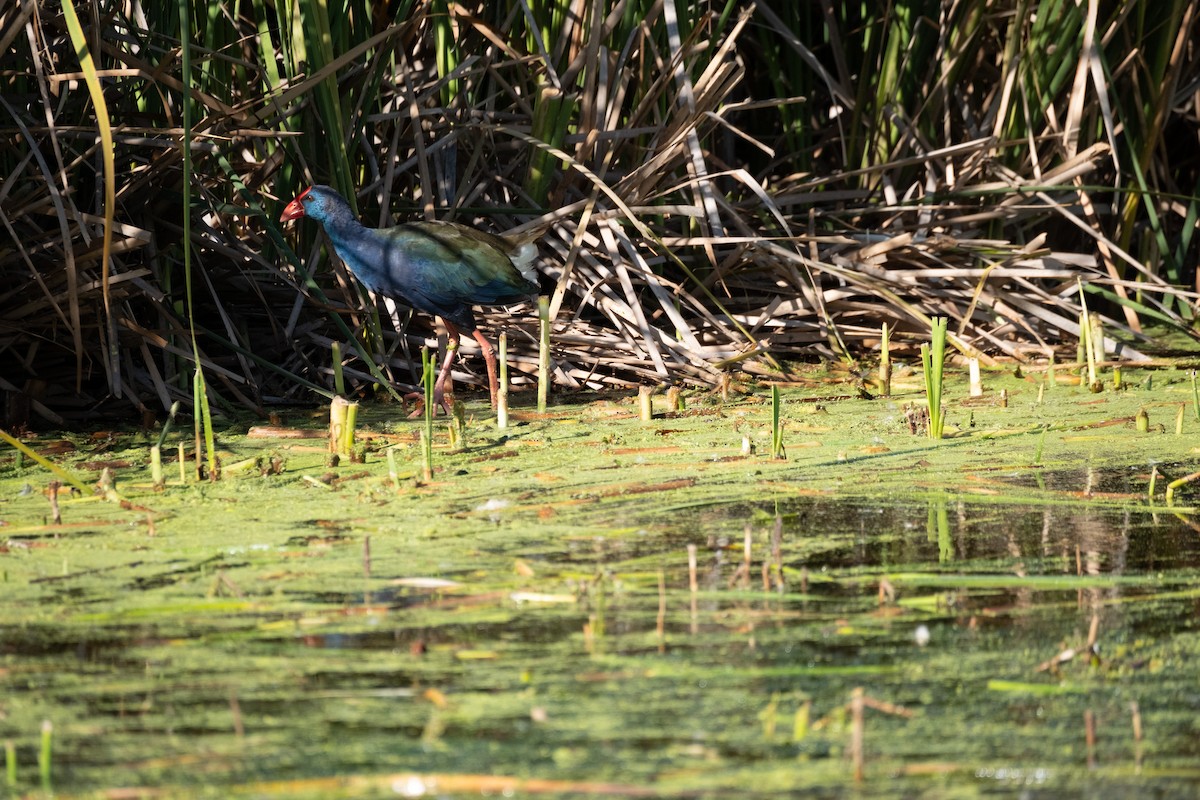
(543, 353)
(1142, 421)
(10, 763)
(933, 360)
(162, 435)
(502, 395)
(1175, 484)
(646, 403)
(1179, 420)
(885, 360)
(339, 379)
(182, 464)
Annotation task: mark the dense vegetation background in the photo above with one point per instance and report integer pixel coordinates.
(729, 185)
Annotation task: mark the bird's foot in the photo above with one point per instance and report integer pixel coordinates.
(440, 400)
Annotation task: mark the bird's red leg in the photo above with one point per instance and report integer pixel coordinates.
(443, 378)
(489, 356)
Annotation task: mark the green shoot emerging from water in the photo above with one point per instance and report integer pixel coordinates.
(339, 380)
(458, 427)
(932, 360)
(427, 430)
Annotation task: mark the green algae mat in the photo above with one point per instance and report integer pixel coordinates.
(587, 604)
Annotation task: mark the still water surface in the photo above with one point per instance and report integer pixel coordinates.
(936, 647)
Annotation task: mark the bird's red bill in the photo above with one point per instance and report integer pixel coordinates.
(294, 209)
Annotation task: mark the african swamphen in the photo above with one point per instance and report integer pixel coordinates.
(441, 268)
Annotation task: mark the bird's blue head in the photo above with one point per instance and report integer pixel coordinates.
(321, 203)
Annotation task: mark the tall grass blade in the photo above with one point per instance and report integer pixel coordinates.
(25, 449)
(104, 126)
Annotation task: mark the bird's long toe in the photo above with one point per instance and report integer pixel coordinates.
(442, 401)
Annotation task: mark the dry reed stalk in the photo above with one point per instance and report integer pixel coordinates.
(688, 233)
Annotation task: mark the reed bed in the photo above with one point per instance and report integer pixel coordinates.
(722, 186)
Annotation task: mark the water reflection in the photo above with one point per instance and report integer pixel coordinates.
(719, 648)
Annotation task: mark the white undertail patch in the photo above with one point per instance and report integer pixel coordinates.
(523, 258)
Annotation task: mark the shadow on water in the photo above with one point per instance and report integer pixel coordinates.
(944, 646)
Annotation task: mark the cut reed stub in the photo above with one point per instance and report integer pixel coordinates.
(543, 388)
(502, 393)
(343, 415)
(646, 403)
(885, 361)
(156, 469)
(675, 399)
(976, 385)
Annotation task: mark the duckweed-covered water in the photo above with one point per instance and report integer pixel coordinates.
(1009, 612)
